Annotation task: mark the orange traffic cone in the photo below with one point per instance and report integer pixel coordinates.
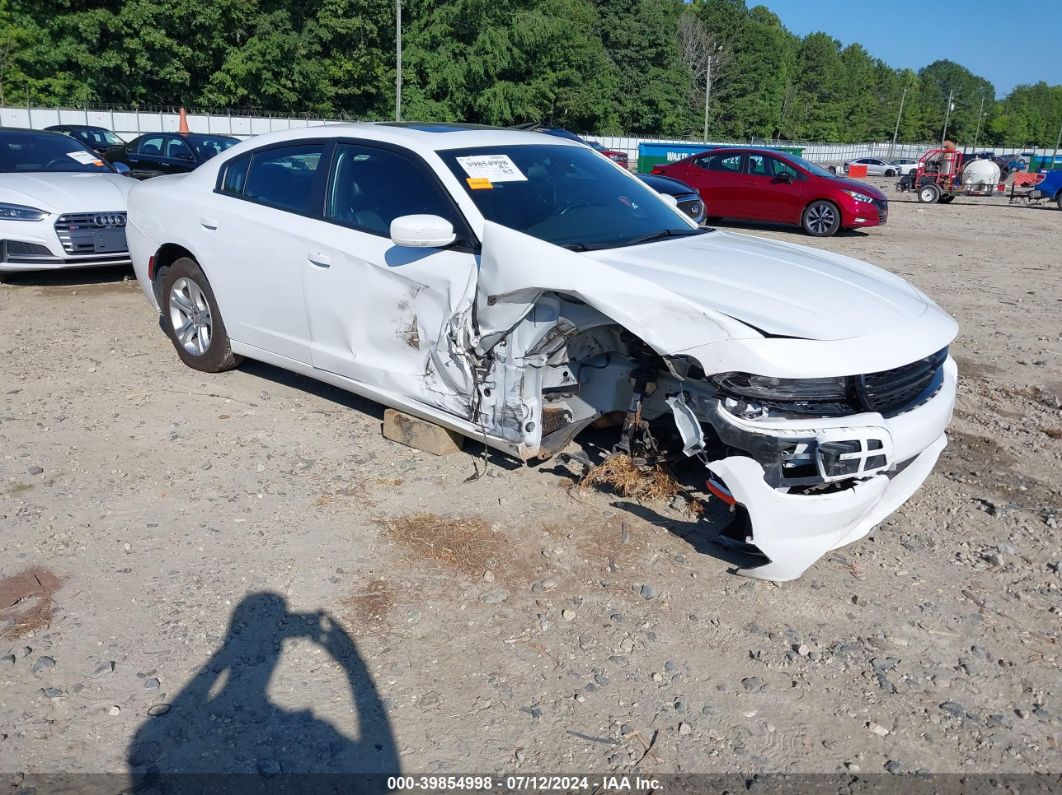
(182, 126)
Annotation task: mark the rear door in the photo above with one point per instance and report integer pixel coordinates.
(252, 242)
(146, 154)
(755, 197)
(178, 157)
(720, 181)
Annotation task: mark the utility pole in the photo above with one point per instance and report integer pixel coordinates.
(708, 86)
(947, 116)
(980, 116)
(707, 94)
(398, 60)
(899, 115)
(1058, 142)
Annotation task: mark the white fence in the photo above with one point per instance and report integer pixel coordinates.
(816, 152)
(130, 124)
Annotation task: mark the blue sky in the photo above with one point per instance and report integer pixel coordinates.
(971, 32)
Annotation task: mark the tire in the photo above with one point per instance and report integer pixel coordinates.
(890, 173)
(821, 219)
(1058, 199)
(947, 198)
(928, 193)
(191, 318)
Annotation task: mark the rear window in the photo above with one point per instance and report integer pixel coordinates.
(284, 177)
(234, 176)
(36, 151)
(722, 162)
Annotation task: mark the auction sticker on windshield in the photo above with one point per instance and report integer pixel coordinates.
(495, 168)
(85, 158)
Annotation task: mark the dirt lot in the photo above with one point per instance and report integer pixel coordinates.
(237, 573)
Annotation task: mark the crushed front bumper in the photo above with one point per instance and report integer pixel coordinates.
(793, 530)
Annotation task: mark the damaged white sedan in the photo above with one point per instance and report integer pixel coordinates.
(519, 290)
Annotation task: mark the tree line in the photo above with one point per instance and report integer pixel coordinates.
(638, 67)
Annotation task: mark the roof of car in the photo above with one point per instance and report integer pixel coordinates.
(24, 130)
(56, 127)
(423, 135)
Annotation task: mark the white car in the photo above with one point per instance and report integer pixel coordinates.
(61, 206)
(876, 166)
(517, 290)
(904, 165)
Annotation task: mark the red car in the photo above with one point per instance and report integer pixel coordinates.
(613, 155)
(766, 185)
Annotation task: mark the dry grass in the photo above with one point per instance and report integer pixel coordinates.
(369, 605)
(351, 494)
(27, 601)
(464, 544)
(619, 473)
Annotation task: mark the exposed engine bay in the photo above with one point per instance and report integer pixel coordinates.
(566, 367)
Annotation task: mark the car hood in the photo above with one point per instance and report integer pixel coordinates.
(668, 185)
(778, 289)
(862, 187)
(60, 192)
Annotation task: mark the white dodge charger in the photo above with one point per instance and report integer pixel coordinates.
(519, 290)
(61, 206)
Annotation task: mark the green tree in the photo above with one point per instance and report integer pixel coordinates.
(509, 61)
(942, 79)
(650, 82)
(756, 76)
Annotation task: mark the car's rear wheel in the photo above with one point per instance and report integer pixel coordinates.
(928, 193)
(890, 173)
(821, 219)
(191, 318)
(1058, 199)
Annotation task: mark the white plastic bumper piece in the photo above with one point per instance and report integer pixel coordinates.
(795, 530)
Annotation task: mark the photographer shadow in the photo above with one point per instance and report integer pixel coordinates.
(223, 734)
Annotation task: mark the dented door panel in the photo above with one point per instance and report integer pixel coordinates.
(399, 318)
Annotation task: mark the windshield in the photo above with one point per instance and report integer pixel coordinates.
(808, 166)
(30, 151)
(97, 136)
(566, 195)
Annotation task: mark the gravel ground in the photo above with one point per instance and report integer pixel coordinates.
(238, 573)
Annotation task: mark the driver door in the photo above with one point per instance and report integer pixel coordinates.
(395, 318)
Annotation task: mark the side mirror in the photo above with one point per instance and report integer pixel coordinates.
(422, 231)
(186, 156)
(669, 199)
(121, 168)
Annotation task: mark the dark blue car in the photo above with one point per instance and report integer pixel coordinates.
(1050, 187)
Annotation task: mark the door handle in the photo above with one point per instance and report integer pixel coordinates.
(208, 223)
(319, 259)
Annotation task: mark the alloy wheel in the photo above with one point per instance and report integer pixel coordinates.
(190, 316)
(821, 218)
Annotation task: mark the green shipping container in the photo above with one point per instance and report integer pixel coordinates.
(655, 154)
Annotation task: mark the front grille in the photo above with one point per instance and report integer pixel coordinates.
(888, 393)
(92, 233)
(894, 391)
(692, 207)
